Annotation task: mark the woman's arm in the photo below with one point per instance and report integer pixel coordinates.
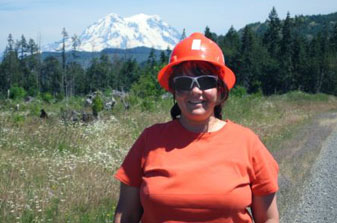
(264, 209)
(129, 208)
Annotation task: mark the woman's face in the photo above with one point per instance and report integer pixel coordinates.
(197, 104)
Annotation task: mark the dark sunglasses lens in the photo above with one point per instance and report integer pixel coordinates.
(182, 84)
(207, 82)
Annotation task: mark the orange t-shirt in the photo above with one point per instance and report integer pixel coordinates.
(198, 177)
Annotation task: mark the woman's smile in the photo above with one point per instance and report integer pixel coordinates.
(197, 104)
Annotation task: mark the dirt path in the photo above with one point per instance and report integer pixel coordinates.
(308, 192)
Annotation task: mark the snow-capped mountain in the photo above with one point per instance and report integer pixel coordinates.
(114, 31)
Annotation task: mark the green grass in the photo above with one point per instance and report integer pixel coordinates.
(56, 171)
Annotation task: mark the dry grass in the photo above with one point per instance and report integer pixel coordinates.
(51, 171)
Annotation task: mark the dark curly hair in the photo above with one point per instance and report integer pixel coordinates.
(198, 68)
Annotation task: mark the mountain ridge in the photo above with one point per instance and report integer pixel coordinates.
(308, 25)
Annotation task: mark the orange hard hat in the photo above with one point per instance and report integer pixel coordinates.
(197, 47)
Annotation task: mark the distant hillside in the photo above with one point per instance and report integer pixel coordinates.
(308, 26)
(140, 54)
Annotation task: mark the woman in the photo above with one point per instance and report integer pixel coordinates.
(197, 167)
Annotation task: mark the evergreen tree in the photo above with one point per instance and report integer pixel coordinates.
(151, 60)
(70, 75)
(75, 42)
(168, 54)
(76, 81)
(251, 61)
(285, 56)
(317, 66)
(163, 57)
(299, 61)
(322, 60)
(231, 48)
(210, 34)
(128, 74)
(245, 70)
(147, 84)
(271, 37)
(51, 76)
(33, 63)
(333, 39)
(23, 47)
(32, 47)
(117, 64)
(63, 50)
(98, 73)
(10, 66)
(63, 53)
(183, 35)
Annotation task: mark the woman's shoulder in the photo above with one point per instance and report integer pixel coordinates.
(237, 126)
(239, 129)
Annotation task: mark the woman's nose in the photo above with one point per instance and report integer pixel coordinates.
(195, 89)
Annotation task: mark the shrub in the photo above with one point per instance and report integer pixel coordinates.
(33, 92)
(35, 109)
(238, 91)
(17, 93)
(148, 105)
(97, 105)
(47, 97)
(59, 97)
(18, 119)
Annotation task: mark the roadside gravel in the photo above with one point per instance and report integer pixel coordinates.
(318, 202)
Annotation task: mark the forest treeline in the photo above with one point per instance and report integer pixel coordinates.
(279, 60)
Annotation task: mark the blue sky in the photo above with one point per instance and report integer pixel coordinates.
(43, 20)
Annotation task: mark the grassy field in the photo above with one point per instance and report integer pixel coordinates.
(56, 170)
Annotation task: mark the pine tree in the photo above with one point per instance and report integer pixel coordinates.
(210, 34)
(299, 61)
(23, 47)
(151, 60)
(163, 58)
(183, 35)
(51, 76)
(69, 75)
(63, 52)
(333, 39)
(34, 64)
(285, 55)
(271, 37)
(128, 74)
(10, 66)
(323, 60)
(252, 57)
(317, 63)
(230, 46)
(77, 79)
(99, 72)
(76, 42)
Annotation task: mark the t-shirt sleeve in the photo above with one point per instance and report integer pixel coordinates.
(131, 171)
(265, 170)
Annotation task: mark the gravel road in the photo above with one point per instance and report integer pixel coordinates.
(318, 202)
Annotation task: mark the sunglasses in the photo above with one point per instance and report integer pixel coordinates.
(186, 83)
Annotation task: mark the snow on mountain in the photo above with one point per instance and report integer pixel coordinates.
(114, 31)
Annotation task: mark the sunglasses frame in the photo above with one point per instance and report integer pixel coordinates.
(195, 80)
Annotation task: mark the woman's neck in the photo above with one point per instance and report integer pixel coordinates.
(211, 124)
